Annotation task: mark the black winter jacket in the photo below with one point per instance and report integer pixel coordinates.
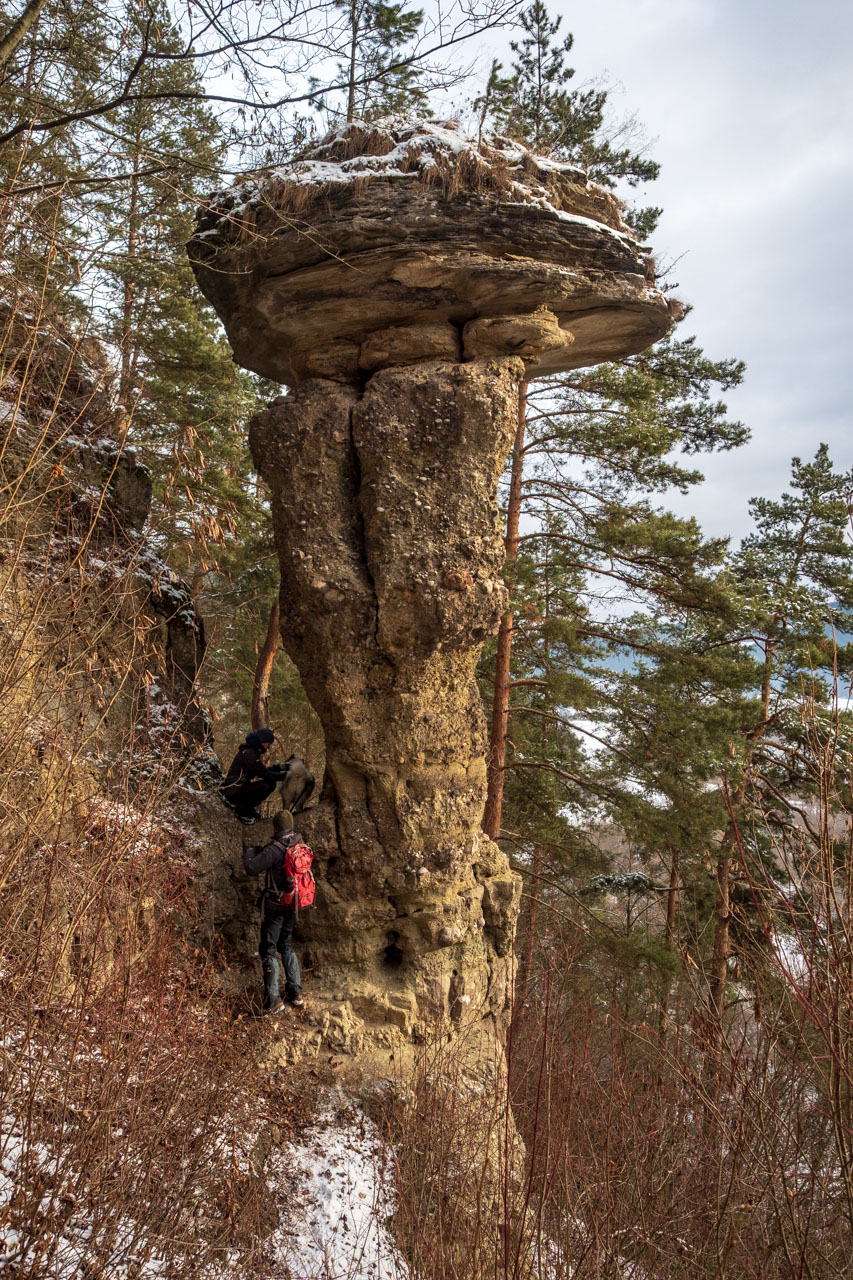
(269, 861)
(247, 765)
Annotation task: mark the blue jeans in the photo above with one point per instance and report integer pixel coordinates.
(276, 935)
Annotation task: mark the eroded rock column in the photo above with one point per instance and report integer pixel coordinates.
(400, 279)
(386, 523)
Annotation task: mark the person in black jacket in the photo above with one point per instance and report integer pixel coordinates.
(248, 782)
(277, 922)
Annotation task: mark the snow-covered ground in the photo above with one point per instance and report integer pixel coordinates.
(64, 1252)
(333, 1190)
(336, 1195)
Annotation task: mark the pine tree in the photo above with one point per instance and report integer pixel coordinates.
(47, 237)
(378, 76)
(600, 442)
(674, 711)
(623, 691)
(535, 104)
(795, 576)
(493, 94)
(176, 375)
(114, 250)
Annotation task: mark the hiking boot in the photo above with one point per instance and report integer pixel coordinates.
(296, 1002)
(247, 819)
(276, 1007)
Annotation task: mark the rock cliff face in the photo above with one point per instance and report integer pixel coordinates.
(404, 283)
(88, 503)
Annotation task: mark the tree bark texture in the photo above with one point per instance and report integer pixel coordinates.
(669, 938)
(386, 522)
(720, 952)
(263, 671)
(20, 29)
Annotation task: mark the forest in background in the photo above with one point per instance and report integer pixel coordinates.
(670, 762)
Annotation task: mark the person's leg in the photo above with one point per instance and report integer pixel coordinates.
(293, 978)
(250, 795)
(271, 923)
(228, 797)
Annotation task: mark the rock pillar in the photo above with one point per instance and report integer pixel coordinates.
(401, 279)
(386, 523)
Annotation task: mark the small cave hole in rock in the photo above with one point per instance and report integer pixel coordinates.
(393, 956)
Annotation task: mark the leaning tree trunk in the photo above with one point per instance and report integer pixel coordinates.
(19, 30)
(263, 671)
(503, 655)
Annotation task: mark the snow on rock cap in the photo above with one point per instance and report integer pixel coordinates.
(381, 243)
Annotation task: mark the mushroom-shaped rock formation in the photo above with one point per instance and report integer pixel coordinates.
(404, 281)
(383, 246)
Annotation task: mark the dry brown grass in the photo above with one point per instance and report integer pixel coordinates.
(357, 140)
(480, 170)
(127, 1133)
(640, 1164)
(457, 1162)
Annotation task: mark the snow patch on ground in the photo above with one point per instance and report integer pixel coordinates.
(336, 1192)
(65, 1251)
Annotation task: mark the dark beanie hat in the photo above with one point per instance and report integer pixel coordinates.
(266, 735)
(282, 821)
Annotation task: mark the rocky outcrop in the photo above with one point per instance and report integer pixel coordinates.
(88, 506)
(392, 583)
(378, 229)
(405, 291)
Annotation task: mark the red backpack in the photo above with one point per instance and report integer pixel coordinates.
(297, 872)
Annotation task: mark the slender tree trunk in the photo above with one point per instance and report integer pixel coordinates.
(722, 940)
(527, 929)
(263, 671)
(720, 956)
(722, 910)
(18, 31)
(500, 699)
(353, 49)
(669, 938)
(127, 317)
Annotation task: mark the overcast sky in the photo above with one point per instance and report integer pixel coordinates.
(750, 108)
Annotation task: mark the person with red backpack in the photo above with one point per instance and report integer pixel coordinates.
(288, 886)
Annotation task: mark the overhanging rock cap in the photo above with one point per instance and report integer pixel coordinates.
(383, 242)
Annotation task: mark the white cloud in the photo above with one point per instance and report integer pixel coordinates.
(749, 107)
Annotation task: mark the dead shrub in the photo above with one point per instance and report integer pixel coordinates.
(127, 1135)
